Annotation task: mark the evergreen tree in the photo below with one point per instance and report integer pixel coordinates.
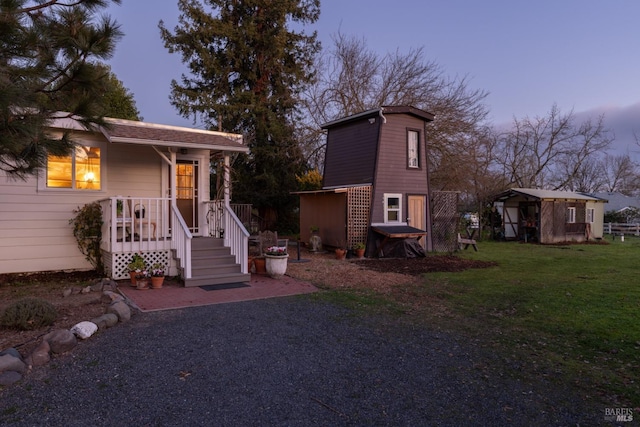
(118, 101)
(47, 64)
(247, 68)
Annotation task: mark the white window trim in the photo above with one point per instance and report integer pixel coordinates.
(387, 196)
(571, 213)
(591, 215)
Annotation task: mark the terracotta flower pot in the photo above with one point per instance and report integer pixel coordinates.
(359, 253)
(260, 264)
(341, 253)
(142, 284)
(156, 282)
(132, 275)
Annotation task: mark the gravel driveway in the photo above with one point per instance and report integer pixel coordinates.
(292, 361)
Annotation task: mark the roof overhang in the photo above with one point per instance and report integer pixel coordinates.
(381, 111)
(142, 133)
(546, 195)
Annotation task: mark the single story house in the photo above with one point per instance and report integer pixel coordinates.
(152, 183)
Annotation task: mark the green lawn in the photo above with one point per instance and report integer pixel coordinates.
(574, 309)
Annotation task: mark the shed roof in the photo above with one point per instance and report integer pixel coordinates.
(546, 195)
(381, 111)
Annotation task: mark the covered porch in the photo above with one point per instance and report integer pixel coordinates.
(214, 252)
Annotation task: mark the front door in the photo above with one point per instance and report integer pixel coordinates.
(417, 217)
(187, 192)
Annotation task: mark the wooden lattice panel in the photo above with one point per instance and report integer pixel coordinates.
(116, 263)
(444, 228)
(359, 206)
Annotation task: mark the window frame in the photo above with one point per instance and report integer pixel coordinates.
(43, 174)
(571, 215)
(418, 165)
(590, 215)
(386, 198)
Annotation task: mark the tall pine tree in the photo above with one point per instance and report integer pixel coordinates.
(48, 63)
(247, 67)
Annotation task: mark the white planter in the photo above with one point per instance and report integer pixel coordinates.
(276, 265)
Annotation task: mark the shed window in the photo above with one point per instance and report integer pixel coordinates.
(78, 171)
(591, 214)
(413, 154)
(392, 208)
(571, 215)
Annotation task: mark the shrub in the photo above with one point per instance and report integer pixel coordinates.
(28, 313)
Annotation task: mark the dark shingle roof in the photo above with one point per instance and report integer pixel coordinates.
(127, 131)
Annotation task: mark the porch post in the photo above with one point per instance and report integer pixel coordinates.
(172, 177)
(227, 166)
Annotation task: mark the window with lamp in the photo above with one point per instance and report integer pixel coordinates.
(79, 171)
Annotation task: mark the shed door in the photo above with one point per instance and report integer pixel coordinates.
(417, 214)
(510, 222)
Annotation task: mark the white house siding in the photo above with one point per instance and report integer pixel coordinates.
(35, 234)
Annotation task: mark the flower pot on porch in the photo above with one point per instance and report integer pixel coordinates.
(260, 264)
(341, 253)
(142, 284)
(276, 265)
(132, 275)
(156, 282)
(359, 253)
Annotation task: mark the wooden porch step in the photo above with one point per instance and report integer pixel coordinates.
(213, 264)
(217, 279)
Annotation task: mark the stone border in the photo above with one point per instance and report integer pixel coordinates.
(13, 366)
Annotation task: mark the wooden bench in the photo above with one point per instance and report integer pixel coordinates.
(467, 241)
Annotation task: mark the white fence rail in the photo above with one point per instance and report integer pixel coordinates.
(622, 228)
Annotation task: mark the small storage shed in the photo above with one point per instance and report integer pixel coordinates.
(549, 216)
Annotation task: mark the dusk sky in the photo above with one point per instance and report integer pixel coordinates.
(583, 55)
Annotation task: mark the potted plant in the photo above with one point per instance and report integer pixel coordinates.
(157, 275)
(358, 248)
(136, 266)
(142, 280)
(276, 261)
(341, 251)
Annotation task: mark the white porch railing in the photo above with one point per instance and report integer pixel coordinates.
(135, 225)
(181, 242)
(223, 222)
(132, 224)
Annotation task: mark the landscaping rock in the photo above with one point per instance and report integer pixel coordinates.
(61, 341)
(66, 292)
(40, 355)
(9, 377)
(9, 362)
(11, 351)
(86, 290)
(109, 297)
(107, 320)
(84, 330)
(120, 309)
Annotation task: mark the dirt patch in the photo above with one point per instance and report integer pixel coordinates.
(72, 309)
